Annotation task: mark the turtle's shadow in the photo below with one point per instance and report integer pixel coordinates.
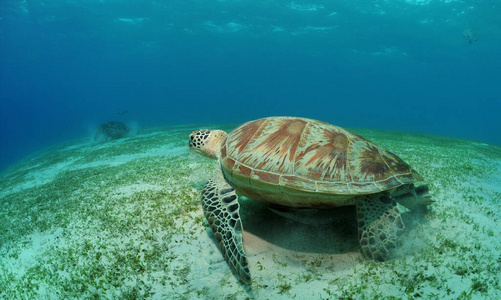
(337, 237)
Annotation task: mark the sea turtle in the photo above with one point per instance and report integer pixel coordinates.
(112, 130)
(303, 163)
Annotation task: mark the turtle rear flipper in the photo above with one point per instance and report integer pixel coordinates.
(221, 209)
(379, 222)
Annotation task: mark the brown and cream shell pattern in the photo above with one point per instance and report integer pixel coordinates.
(302, 162)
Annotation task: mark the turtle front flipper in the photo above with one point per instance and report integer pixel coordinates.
(221, 208)
(379, 222)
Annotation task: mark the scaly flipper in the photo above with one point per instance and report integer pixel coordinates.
(221, 208)
(379, 222)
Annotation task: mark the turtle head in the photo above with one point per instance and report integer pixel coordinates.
(207, 142)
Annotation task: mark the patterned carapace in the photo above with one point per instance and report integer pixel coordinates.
(280, 153)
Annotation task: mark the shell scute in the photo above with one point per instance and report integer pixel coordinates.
(266, 177)
(367, 164)
(295, 182)
(242, 135)
(272, 147)
(323, 154)
(242, 170)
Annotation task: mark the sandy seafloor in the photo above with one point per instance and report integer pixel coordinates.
(122, 220)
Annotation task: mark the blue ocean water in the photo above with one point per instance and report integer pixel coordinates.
(68, 66)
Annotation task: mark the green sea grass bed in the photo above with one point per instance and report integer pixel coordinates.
(122, 220)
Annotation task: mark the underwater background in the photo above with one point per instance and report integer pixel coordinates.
(420, 66)
(83, 216)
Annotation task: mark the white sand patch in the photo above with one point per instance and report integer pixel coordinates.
(31, 247)
(38, 177)
(164, 151)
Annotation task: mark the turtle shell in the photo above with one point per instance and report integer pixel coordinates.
(300, 162)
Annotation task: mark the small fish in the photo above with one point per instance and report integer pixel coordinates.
(122, 112)
(470, 35)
